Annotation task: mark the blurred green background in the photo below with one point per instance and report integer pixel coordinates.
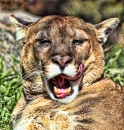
(93, 11)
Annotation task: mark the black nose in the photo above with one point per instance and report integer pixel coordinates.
(62, 61)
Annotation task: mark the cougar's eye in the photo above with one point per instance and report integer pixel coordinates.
(78, 42)
(44, 42)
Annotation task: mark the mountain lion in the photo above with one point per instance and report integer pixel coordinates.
(62, 74)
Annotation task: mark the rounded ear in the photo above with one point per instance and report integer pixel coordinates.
(20, 25)
(105, 28)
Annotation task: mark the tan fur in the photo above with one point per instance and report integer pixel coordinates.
(99, 104)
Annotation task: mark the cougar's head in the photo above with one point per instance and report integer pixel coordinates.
(66, 49)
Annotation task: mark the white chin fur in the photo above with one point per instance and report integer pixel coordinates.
(67, 99)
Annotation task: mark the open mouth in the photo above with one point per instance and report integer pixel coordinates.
(60, 84)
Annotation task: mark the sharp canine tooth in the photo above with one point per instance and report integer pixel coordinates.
(56, 90)
(68, 90)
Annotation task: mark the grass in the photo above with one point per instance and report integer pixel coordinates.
(10, 92)
(11, 87)
(114, 67)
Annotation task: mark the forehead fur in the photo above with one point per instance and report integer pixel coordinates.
(61, 22)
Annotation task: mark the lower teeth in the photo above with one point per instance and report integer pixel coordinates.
(68, 90)
(59, 91)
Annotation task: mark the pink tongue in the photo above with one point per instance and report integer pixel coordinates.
(60, 83)
(62, 93)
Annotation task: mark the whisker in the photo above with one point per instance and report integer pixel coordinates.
(32, 73)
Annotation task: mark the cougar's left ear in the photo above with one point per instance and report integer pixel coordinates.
(105, 28)
(20, 25)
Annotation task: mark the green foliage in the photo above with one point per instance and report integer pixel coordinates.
(94, 10)
(10, 92)
(114, 67)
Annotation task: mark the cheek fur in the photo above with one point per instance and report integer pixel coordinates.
(84, 51)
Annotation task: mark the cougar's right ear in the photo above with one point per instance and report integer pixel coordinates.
(20, 25)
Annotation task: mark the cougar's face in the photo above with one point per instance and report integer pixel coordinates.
(66, 50)
(61, 45)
